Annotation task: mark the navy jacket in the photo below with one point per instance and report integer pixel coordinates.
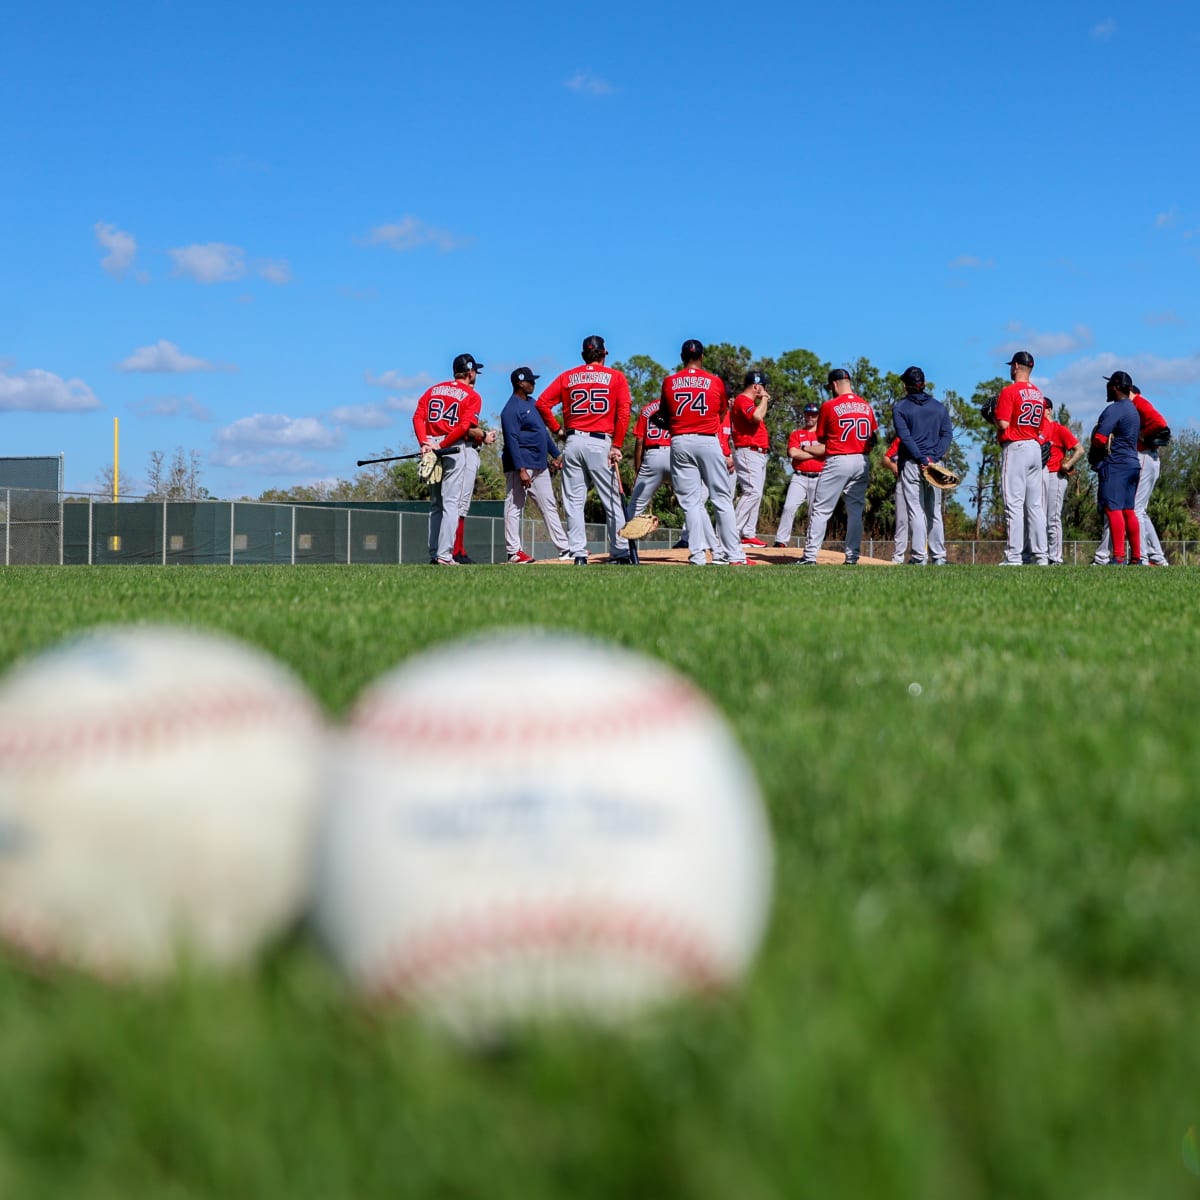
(1120, 423)
(527, 441)
(923, 427)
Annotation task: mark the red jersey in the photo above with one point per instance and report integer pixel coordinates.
(695, 401)
(846, 424)
(802, 438)
(893, 449)
(649, 433)
(446, 411)
(1152, 420)
(1023, 407)
(1062, 442)
(746, 430)
(594, 398)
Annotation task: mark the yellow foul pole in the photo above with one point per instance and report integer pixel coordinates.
(116, 460)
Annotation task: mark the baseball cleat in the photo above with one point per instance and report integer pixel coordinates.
(682, 544)
(520, 558)
(445, 562)
(463, 559)
(753, 541)
(805, 562)
(565, 556)
(621, 560)
(780, 546)
(581, 560)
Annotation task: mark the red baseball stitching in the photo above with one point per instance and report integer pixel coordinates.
(411, 720)
(454, 947)
(119, 732)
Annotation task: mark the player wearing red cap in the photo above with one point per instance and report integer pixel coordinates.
(806, 468)
(595, 404)
(751, 447)
(1152, 435)
(693, 407)
(1019, 411)
(846, 428)
(1065, 452)
(445, 416)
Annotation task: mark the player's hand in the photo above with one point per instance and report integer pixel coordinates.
(489, 438)
(526, 476)
(614, 456)
(556, 466)
(763, 394)
(729, 463)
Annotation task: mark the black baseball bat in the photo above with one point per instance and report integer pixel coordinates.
(362, 462)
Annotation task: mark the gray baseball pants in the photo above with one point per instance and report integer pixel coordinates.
(696, 463)
(445, 502)
(1054, 493)
(802, 487)
(843, 475)
(1021, 486)
(751, 468)
(541, 488)
(585, 459)
(923, 508)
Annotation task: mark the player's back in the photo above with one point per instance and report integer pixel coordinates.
(695, 401)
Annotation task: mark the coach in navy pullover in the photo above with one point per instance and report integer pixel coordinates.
(527, 443)
(922, 423)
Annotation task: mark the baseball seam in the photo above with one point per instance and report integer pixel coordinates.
(454, 948)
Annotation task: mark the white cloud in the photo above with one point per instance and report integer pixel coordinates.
(171, 406)
(1043, 345)
(1081, 385)
(364, 416)
(588, 84)
(270, 462)
(971, 262)
(274, 270)
(42, 391)
(410, 233)
(1104, 30)
(121, 247)
(1163, 319)
(212, 262)
(1168, 219)
(396, 382)
(166, 358)
(276, 429)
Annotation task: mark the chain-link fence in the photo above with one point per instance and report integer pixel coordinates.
(59, 527)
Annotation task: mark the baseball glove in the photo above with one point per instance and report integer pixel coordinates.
(1156, 441)
(1045, 453)
(940, 476)
(987, 410)
(638, 527)
(429, 469)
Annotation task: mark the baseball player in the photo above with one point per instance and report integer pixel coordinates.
(595, 404)
(444, 416)
(1019, 411)
(527, 457)
(923, 427)
(1065, 452)
(751, 447)
(476, 437)
(806, 468)
(1153, 425)
(845, 431)
(693, 406)
(900, 546)
(1113, 453)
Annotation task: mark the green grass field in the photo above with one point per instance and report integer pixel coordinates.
(982, 976)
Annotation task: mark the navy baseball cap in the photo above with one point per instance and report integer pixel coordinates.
(594, 344)
(1022, 358)
(522, 375)
(466, 362)
(1120, 379)
(811, 410)
(691, 349)
(753, 377)
(836, 374)
(913, 377)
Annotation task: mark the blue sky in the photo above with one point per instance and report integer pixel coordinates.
(259, 230)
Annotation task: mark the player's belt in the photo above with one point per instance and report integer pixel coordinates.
(585, 433)
(756, 449)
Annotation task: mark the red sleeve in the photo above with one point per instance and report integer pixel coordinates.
(1004, 404)
(623, 404)
(549, 400)
(1152, 420)
(419, 426)
(470, 416)
(822, 430)
(639, 428)
(893, 449)
(1067, 439)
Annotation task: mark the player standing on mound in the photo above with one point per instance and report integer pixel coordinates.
(806, 470)
(1065, 452)
(1113, 454)
(595, 404)
(444, 415)
(846, 428)
(751, 447)
(693, 408)
(1019, 411)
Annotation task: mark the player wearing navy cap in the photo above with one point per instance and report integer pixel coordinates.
(923, 427)
(751, 448)
(1019, 411)
(1113, 454)
(806, 469)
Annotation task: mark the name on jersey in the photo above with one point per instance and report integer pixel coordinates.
(694, 382)
(448, 391)
(850, 407)
(581, 378)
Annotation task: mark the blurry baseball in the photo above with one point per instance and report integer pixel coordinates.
(159, 789)
(488, 862)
